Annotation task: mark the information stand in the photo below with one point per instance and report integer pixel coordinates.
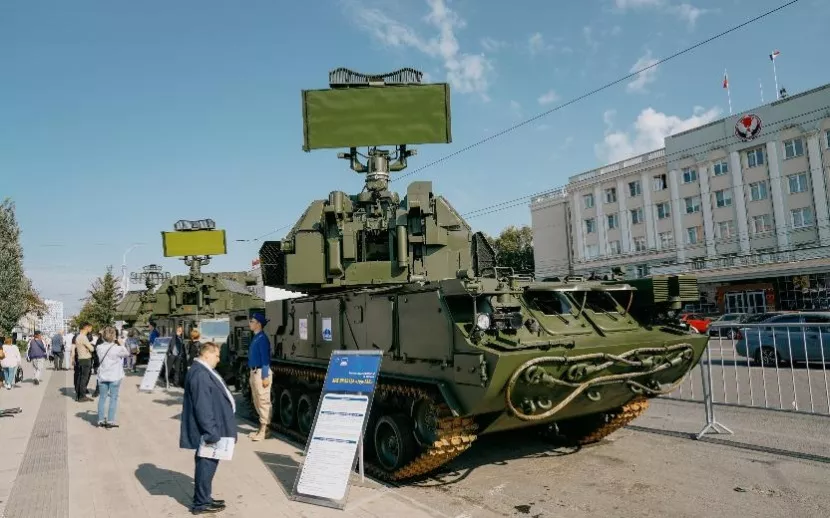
(158, 360)
(336, 438)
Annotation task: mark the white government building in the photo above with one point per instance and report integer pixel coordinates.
(741, 202)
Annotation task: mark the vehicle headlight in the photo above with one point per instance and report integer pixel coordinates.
(483, 321)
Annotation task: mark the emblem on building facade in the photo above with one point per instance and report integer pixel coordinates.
(748, 127)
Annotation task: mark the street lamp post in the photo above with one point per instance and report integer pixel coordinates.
(125, 281)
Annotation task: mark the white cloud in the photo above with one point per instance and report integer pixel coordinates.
(649, 130)
(588, 34)
(467, 73)
(515, 109)
(492, 44)
(536, 43)
(645, 77)
(625, 4)
(548, 97)
(689, 13)
(685, 11)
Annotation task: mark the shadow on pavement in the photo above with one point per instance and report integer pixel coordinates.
(90, 416)
(283, 468)
(164, 482)
(733, 444)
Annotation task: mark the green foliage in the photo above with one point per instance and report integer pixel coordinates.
(17, 296)
(514, 248)
(101, 303)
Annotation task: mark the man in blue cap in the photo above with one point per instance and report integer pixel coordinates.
(259, 361)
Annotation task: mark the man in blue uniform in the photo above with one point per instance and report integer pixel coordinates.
(259, 361)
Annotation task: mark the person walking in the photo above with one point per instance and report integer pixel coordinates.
(111, 356)
(259, 361)
(36, 354)
(69, 342)
(207, 416)
(58, 347)
(132, 343)
(84, 352)
(10, 363)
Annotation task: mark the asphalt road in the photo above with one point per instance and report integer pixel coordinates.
(774, 465)
(737, 380)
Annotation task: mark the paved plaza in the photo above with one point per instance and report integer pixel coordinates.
(56, 463)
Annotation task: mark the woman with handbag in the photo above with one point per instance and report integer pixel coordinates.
(110, 373)
(10, 362)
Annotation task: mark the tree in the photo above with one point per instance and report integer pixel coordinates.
(514, 248)
(17, 296)
(101, 303)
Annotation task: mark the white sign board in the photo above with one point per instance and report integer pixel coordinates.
(332, 449)
(327, 329)
(158, 354)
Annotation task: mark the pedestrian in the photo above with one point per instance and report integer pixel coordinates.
(132, 344)
(259, 362)
(207, 416)
(10, 362)
(58, 347)
(153, 333)
(84, 352)
(69, 341)
(111, 356)
(36, 354)
(96, 363)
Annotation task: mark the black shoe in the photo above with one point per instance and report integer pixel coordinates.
(111, 425)
(217, 502)
(37, 382)
(207, 510)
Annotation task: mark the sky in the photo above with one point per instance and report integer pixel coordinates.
(119, 118)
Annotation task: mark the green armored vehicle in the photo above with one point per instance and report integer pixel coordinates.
(468, 348)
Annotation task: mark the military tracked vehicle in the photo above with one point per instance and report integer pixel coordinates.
(469, 348)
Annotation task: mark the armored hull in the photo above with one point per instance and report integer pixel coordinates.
(466, 357)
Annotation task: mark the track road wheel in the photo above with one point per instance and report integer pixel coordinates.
(287, 409)
(306, 408)
(394, 441)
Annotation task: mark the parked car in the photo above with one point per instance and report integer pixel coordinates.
(726, 324)
(697, 322)
(781, 343)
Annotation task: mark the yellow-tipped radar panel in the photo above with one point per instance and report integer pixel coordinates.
(194, 238)
(375, 110)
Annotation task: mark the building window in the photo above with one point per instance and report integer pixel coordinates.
(663, 210)
(666, 240)
(689, 175)
(827, 137)
(643, 270)
(659, 182)
(614, 247)
(588, 200)
(755, 157)
(726, 229)
(721, 168)
(723, 198)
(611, 195)
(613, 221)
(793, 148)
(761, 224)
(590, 226)
(634, 188)
(798, 182)
(591, 251)
(636, 216)
(802, 217)
(692, 204)
(758, 191)
(693, 235)
(640, 244)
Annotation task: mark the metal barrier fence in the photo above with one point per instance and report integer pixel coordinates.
(777, 366)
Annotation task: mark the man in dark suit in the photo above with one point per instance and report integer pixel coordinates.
(208, 414)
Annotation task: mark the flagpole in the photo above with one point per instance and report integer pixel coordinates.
(775, 75)
(761, 86)
(728, 93)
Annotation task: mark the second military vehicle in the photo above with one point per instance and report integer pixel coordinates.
(468, 348)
